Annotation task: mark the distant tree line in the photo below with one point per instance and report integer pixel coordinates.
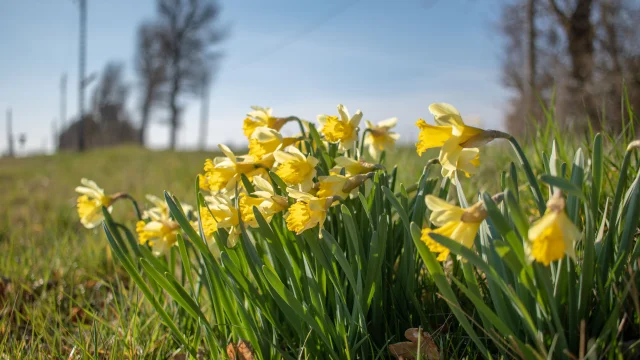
(582, 54)
(175, 58)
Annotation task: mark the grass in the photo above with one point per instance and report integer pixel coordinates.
(60, 293)
(63, 296)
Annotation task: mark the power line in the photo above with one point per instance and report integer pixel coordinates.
(283, 44)
(81, 71)
(63, 100)
(10, 151)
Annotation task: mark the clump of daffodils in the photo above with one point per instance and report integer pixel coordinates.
(318, 209)
(236, 187)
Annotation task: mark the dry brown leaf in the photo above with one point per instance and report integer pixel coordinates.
(241, 351)
(408, 350)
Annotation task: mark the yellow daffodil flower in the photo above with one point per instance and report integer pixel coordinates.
(209, 223)
(340, 186)
(265, 141)
(160, 208)
(379, 137)
(553, 235)
(203, 184)
(448, 134)
(160, 233)
(261, 117)
(225, 214)
(342, 129)
(352, 166)
(246, 204)
(90, 203)
(273, 203)
(307, 212)
(458, 224)
(294, 168)
(332, 185)
(223, 172)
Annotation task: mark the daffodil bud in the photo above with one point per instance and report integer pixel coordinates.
(281, 201)
(484, 138)
(556, 203)
(356, 181)
(474, 214)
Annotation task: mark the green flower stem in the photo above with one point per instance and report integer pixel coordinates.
(297, 119)
(364, 133)
(130, 198)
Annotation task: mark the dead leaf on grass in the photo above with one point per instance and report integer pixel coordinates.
(408, 350)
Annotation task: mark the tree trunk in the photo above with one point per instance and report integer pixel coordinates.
(580, 33)
(530, 87)
(144, 122)
(175, 113)
(204, 116)
(581, 49)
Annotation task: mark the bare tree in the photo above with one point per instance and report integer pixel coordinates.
(204, 111)
(151, 69)
(580, 52)
(107, 123)
(187, 31)
(110, 95)
(531, 55)
(579, 30)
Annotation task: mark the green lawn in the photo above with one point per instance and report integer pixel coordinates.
(59, 289)
(61, 293)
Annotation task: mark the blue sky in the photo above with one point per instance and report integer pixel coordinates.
(386, 58)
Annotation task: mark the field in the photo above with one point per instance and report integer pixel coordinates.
(60, 291)
(64, 293)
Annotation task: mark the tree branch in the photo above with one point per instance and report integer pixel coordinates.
(564, 19)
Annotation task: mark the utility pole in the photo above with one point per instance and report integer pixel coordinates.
(10, 152)
(81, 71)
(63, 100)
(204, 112)
(54, 134)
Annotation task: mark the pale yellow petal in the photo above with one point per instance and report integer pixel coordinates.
(227, 152)
(355, 120)
(450, 153)
(571, 234)
(388, 123)
(296, 194)
(262, 184)
(441, 211)
(344, 113)
(264, 134)
(465, 233)
(445, 114)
